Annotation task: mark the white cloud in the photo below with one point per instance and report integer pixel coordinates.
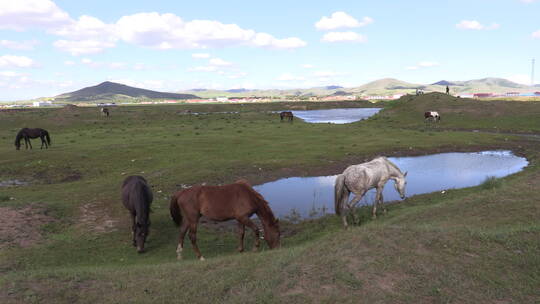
(16, 61)
(26, 45)
(69, 62)
(341, 20)
(536, 34)
(168, 31)
(200, 55)
(83, 46)
(527, 1)
(308, 66)
(475, 25)
(423, 64)
(207, 68)
(289, 77)
(24, 14)
(219, 62)
(343, 37)
(237, 75)
(9, 74)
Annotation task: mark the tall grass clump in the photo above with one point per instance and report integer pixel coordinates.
(491, 182)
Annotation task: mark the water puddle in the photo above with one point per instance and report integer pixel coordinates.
(336, 116)
(313, 196)
(13, 183)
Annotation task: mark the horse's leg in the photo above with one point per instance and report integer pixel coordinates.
(133, 229)
(377, 199)
(247, 222)
(183, 229)
(193, 238)
(241, 232)
(29, 143)
(352, 205)
(42, 142)
(381, 202)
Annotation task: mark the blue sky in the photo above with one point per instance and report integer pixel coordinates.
(50, 47)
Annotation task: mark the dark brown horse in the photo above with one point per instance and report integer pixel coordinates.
(286, 114)
(137, 197)
(26, 134)
(221, 203)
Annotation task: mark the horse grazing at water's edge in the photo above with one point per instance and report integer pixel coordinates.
(104, 111)
(286, 114)
(26, 134)
(358, 179)
(221, 203)
(137, 197)
(432, 116)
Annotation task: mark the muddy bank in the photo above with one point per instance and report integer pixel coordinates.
(22, 226)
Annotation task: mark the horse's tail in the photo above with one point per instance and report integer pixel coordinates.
(48, 138)
(174, 209)
(341, 193)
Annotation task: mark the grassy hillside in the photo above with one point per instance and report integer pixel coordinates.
(475, 245)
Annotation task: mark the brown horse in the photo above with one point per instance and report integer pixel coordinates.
(286, 114)
(137, 197)
(26, 134)
(221, 203)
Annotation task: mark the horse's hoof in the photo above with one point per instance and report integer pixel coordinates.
(201, 258)
(179, 257)
(240, 249)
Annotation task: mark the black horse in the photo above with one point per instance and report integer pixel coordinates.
(137, 197)
(286, 114)
(26, 134)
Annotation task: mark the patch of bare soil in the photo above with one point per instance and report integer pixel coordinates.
(21, 227)
(94, 217)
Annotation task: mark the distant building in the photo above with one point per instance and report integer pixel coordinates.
(42, 103)
(511, 94)
(482, 95)
(222, 99)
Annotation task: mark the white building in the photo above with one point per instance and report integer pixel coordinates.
(42, 103)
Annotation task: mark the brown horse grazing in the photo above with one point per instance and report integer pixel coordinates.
(26, 134)
(286, 114)
(137, 197)
(221, 203)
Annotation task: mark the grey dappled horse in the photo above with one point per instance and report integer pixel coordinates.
(358, 179)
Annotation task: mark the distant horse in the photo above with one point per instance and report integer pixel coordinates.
(432, 116)
(221, 203)
(286, 114)
(26, 134)
(137, 197)
(358, 179)
(105, 111)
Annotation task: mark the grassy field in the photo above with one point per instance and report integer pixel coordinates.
(474, 245)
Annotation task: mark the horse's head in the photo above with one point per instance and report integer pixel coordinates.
(272, 234)
(141, 233)
(18, 144)
(400, 183)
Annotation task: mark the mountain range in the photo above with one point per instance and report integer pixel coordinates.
(387, 86)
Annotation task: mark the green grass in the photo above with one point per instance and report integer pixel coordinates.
(474, 245)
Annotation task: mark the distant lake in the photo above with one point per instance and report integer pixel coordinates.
(336, 116)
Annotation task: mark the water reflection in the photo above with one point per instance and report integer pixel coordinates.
(426, 174)
(336, 116)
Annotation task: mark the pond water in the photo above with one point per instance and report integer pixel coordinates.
(336, 116)
(314, 196)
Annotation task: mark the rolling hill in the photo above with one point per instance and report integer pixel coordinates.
(110, 90)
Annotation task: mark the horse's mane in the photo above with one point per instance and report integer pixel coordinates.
(260, 201)
(391, 164)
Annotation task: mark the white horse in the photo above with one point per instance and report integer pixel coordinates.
(358, 179)
(432, 116)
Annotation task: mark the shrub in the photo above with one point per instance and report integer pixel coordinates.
(491, 182)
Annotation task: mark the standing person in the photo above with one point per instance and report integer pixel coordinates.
(447, 90)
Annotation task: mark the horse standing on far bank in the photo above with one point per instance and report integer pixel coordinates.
(105, 112)
(137, 197)
(432, 116)
(221, 203)
(358, 179)
(286, 114)
(27, 134)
